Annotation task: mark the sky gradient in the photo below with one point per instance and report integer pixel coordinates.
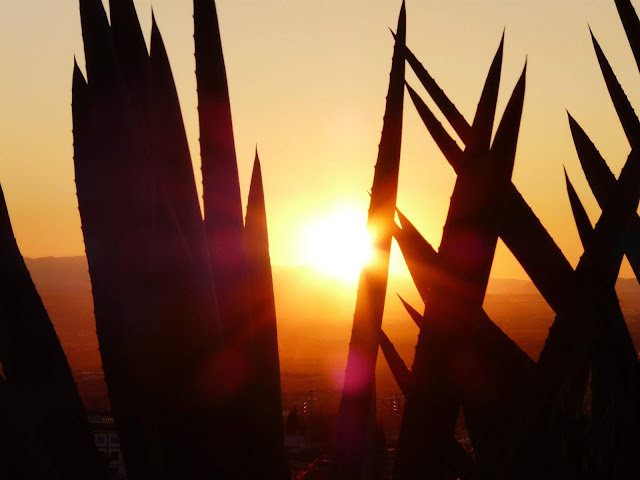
(308, 81)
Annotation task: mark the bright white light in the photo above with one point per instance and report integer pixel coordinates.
(338, 244)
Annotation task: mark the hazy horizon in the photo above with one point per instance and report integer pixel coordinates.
(307, 84)
(314, 318)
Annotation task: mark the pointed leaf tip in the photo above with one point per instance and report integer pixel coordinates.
(403, 219)
(583, 224)
(78, 76)
(402, 23)
(572, 121)
(154, 23)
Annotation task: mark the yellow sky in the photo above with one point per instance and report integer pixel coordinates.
(308, 81)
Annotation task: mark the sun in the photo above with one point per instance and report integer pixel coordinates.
(338, 244)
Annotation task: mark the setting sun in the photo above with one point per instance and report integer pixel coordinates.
(338, 244)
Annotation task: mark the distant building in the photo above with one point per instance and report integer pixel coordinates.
(105, 436)
(389, 410)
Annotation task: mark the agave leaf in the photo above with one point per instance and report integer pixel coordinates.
(535, 250)
(592, 323)
(426, 247)
(421, 258)
(176, 186)
(447, 145)
(481, 203)
(600, 178)
(99, 50)
(603, 184)
(220, 181)
(585, 229)
(503, 149)
(224, 229)
(518, 227)
(457, 296)
(400, 372)
(355, 424)
(416, 250)
(612, 223)
(626, 114)
(413, 313)
(35, 366)
(269, 437)
(131, 50)
(475, 207)
(24, 455)
(133, 244)
(451, 113)
(564, 362)
(631, 26)
(457, 457)
(482, 126)
(91, 157)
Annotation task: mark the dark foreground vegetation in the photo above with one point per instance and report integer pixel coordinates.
(185, 310)
(525, 419)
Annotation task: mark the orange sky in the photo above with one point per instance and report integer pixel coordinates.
(308, 81)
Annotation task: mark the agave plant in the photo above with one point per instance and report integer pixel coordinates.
(356, 429)
(525, 419)
(45, 433)
(184, 306)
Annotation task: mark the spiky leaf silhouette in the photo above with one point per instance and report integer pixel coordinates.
(398, 368)
(356, 434)
(270, 454)
(603, 184)
(413, 313)
(626, 114)
(221, 185)
(100, 242)
(447, 145)
(482, 126)
(564, 362)
(35, 367)
(450, 111)
(585, 229)
(421, 259)
(520, 229)
(131, 51)
(137, 256)
(456, 457)
(631, 26)
(176, 186)
(475, 206)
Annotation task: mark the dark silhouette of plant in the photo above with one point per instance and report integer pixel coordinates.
(185, 320)
(45, 433)
(525, 420)
(267, 407)
(357, 426)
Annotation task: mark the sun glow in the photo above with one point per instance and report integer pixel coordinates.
(338, 244)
